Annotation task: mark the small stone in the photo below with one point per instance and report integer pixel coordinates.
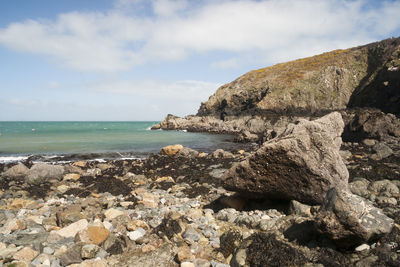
(362, 247)
(63, 188)
(134, 224)
(187, 264)
(26, 254)
(202, 155)
(17, 264)
(11, 226)
(93, 263)
(72, 229)
(137, 234)
(71, 177)
(48, 250)
(165, 179)
(369, 142)
(191, 235)
(93, 235)
(148, 248)
(80, 164)
(183, 254)
(201, 263)
(113, 213)
(89, 251)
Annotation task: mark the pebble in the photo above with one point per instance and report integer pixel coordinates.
(362, 247)
(137, 234)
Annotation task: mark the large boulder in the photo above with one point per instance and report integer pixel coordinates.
(302, 163)
(16, 171)
(42, 172)
(171, 150)
(351, 220)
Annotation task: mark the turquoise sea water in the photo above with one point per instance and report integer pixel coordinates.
(49, 138)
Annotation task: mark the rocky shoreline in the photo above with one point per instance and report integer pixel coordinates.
(173, 209)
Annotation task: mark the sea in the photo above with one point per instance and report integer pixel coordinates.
(96, 140)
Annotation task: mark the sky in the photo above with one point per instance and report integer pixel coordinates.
(131, 60)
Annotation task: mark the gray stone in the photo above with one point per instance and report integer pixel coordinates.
(191, 235)
(384, 187)
(369, 142)
(89, 251)
(382, 151)
(218, 264)
(19, 170)
(41, 172)
(187, 153)
(351, 220)
(302, 163)
(72, 255)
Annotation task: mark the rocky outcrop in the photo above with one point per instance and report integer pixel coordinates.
(351, 220)
(365, 76)
(302, 163)
(370, 123)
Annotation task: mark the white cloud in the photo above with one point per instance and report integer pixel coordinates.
(173, 92)
(267, 31)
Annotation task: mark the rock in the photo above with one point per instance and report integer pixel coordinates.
(362, 247)
(384, 187)
(246, 136)
(26, 254)
(137, 234)
(72, 255)
(371, 124)
(71, 177)
(187, 153)
(201, 263)
(80, 164)
(369, 142)
(302, 163)
(62, 188)
(187, 264)
(220, 153)
(202, 155)
(360, 187)
(16, 171)
(89, 251)
(17, 264)
(191, 236)
(92, 263)
(114, 244)
(42, 172)
(134, 224)
(92, 235)
(171, 150)
(72, 229)
(350, 220)
(113, 213)
(11, 226)
(184, 254)
(382, 151)
(300, 209)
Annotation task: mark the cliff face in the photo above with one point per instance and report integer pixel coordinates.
(365, 76)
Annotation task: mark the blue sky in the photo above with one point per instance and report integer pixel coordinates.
(143, 59)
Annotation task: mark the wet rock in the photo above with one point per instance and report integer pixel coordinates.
(171, 150)
(303, 163)
(42, 172)
(350, 220)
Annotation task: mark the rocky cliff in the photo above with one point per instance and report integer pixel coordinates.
(365, 76)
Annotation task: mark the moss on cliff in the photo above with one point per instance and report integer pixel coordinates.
(330, 81)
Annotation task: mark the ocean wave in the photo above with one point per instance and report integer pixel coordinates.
(9, 159)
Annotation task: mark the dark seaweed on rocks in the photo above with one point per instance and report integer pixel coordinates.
(104, 184)
(266, 250)
(230, 240)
